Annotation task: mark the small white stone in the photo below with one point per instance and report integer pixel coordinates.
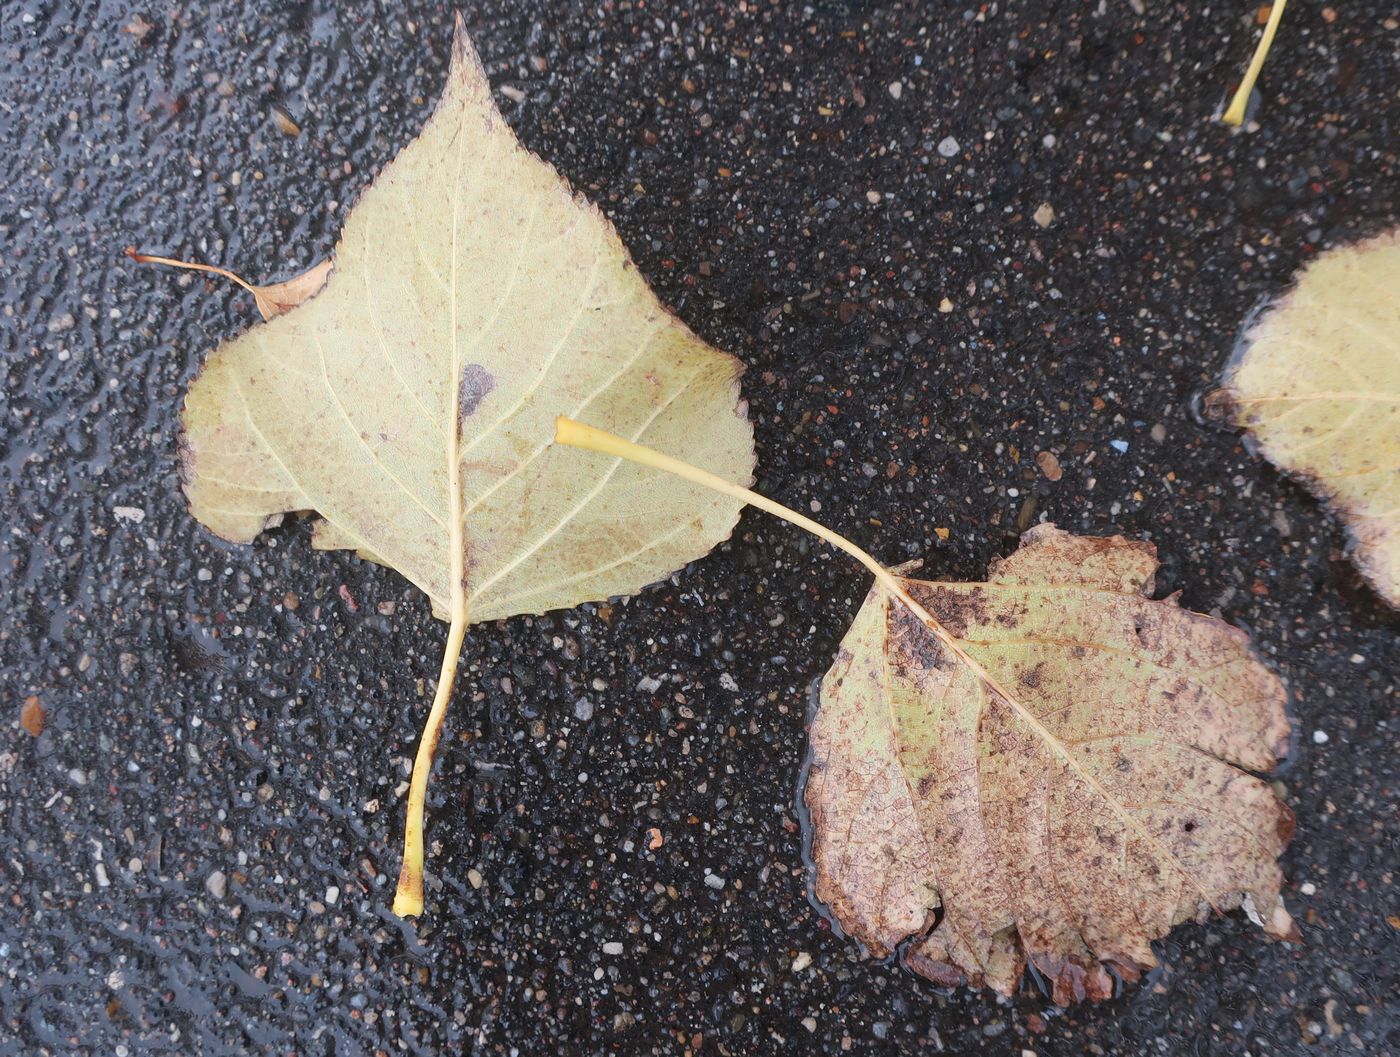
(217, 884)
(1320, 737)
(1308, 888)
(714, 880)
(613, 948)
(134, 514)
(648, 685)
(949, 147)
(1044, 214)
(474, 877)
(801, 962)
(896, 89)
(729, 682)
(333, 895)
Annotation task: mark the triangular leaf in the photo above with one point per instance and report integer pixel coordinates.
(411, 402)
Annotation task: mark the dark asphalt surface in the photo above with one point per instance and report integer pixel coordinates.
(197, 854)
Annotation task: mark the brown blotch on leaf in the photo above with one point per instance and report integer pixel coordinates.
(911, 648)
(477, 383)
(957, 607)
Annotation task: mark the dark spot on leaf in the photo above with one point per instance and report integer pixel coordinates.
(476, 383)
(956, 609)
(911, 648)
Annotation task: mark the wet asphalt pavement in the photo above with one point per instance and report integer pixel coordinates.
(944, 238)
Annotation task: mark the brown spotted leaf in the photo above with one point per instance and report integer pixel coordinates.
(411, 401)
(1116, 795)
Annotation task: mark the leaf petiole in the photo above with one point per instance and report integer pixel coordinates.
(577, 435)
(171, 262)
(408, 897)
(272, 300)
(1234, 115)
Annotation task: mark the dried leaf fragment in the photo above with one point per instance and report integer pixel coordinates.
(272, 300)
(1318, 385)
(31, 716)
(284, 122)
(282, 297)
(1071, 827)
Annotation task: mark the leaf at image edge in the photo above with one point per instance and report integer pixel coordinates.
(1317, 383)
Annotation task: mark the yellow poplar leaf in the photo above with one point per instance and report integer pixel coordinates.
(411, 402)
(1070, 827)
(1318, 384)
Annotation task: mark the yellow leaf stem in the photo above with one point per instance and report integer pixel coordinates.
(1234, 115)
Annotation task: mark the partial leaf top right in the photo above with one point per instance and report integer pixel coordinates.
(1318, 384)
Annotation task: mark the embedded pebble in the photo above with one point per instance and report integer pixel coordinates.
(948, 147)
